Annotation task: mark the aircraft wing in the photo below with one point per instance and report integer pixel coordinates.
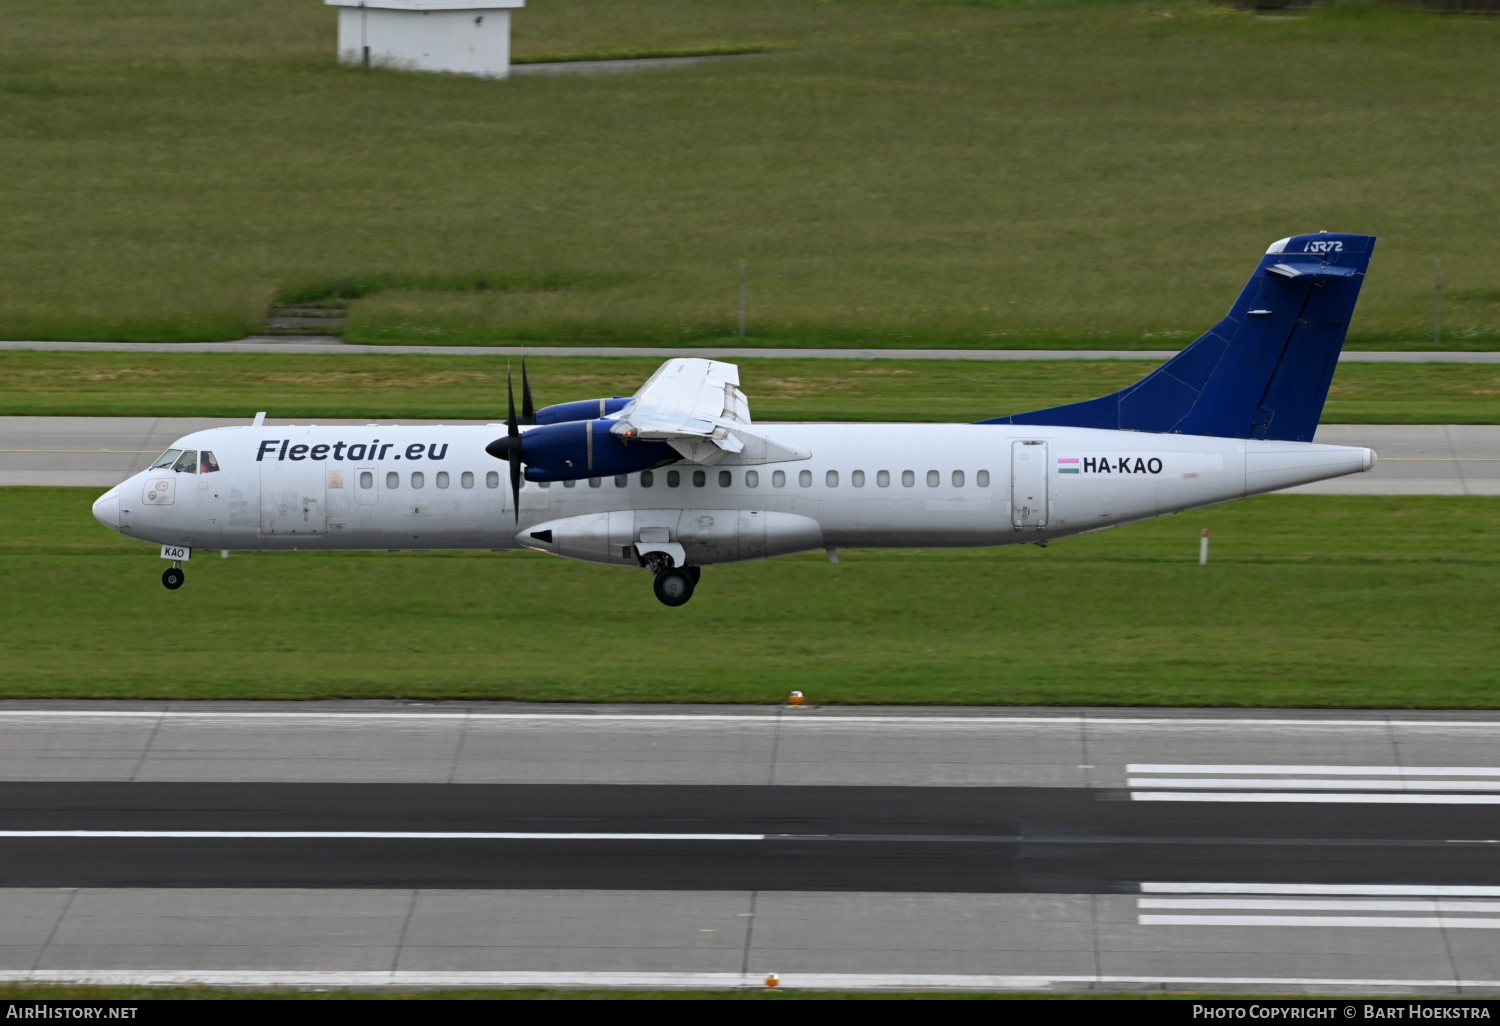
(696, 406)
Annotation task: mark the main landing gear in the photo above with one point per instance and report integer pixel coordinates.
(674, 584)
(172, 577)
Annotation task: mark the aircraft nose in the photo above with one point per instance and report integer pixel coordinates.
(1369, 461)
(107, 509)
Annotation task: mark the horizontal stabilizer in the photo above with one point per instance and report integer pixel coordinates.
(1306, 270)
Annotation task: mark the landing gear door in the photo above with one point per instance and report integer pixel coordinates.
(1028, 485)
(292, 498)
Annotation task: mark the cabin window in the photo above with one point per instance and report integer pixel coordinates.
(805, 479)
(778, 479)
(831, 479)
(187, 463)
(958, 479)
(492, 479)
(699, 479)
(621, 480)
(883, 478)
(595, 482)
(673, 479)
(366, 479)
(467, 479)
(393, 480)
(570, 484)
(857, 479)
(725, 479)
(166, 459)
(207, 464)
(982, 479)
(442, 479)
(934, 479)
(418, 479)
(908, 479)
(647, 479)
(752, 479)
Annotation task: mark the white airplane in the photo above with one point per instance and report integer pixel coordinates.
(678, 476)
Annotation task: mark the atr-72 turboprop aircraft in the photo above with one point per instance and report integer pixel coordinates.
(678, 477)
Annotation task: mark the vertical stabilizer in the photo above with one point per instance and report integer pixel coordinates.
(1261, 372)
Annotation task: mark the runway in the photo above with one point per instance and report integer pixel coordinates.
(373, 844)
(713, 838)
(100, 452)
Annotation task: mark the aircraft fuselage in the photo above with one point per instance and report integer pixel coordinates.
(865, 485)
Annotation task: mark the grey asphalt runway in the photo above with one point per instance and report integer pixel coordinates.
(715, 837)
(99, 452)
(1244, 851)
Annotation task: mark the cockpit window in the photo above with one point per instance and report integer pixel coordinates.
(167, 459)
(208, 464)
(187, 463)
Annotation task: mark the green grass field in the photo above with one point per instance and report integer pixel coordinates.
(1308, 601)
(897, 172)
(473, 387)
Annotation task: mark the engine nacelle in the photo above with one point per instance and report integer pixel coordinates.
(703, 536)
(584, 409)
(577, 449)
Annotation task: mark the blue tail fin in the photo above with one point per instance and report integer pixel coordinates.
(1261, 372)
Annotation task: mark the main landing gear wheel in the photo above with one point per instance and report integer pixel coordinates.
(674, 586)
(173, 578)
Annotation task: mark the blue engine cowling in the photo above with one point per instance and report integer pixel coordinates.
(584, 409)
(578, 449)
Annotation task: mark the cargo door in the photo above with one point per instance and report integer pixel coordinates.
(291, 498)
(1028, 485)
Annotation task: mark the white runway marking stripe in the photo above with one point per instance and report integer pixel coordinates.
(1318, 905)
(1376, 922)
(1311, 784)
(690, 980)
(1358, 890)
(1093, 721)
(1443, 906)
(377, 835)
(1406, 798)
(1326, 771)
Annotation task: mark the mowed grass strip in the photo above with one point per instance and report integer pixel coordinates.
(473, 387)
(1085, 173)
(1307, 601)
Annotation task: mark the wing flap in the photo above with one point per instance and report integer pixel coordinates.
(696, 406)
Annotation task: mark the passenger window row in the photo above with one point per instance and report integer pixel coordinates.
(934, 479)
(419, 480)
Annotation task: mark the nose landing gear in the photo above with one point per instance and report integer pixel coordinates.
(172, 577)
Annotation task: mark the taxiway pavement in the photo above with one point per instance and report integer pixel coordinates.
(325, 344)
(99, 452)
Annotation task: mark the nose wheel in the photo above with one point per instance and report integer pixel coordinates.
(674, 585)
(172, 578)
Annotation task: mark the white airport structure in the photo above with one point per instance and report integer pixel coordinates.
(464, 37)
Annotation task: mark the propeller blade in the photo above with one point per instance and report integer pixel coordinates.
(515, 482)
(513, 443)
(528, 409)
(511, 428)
